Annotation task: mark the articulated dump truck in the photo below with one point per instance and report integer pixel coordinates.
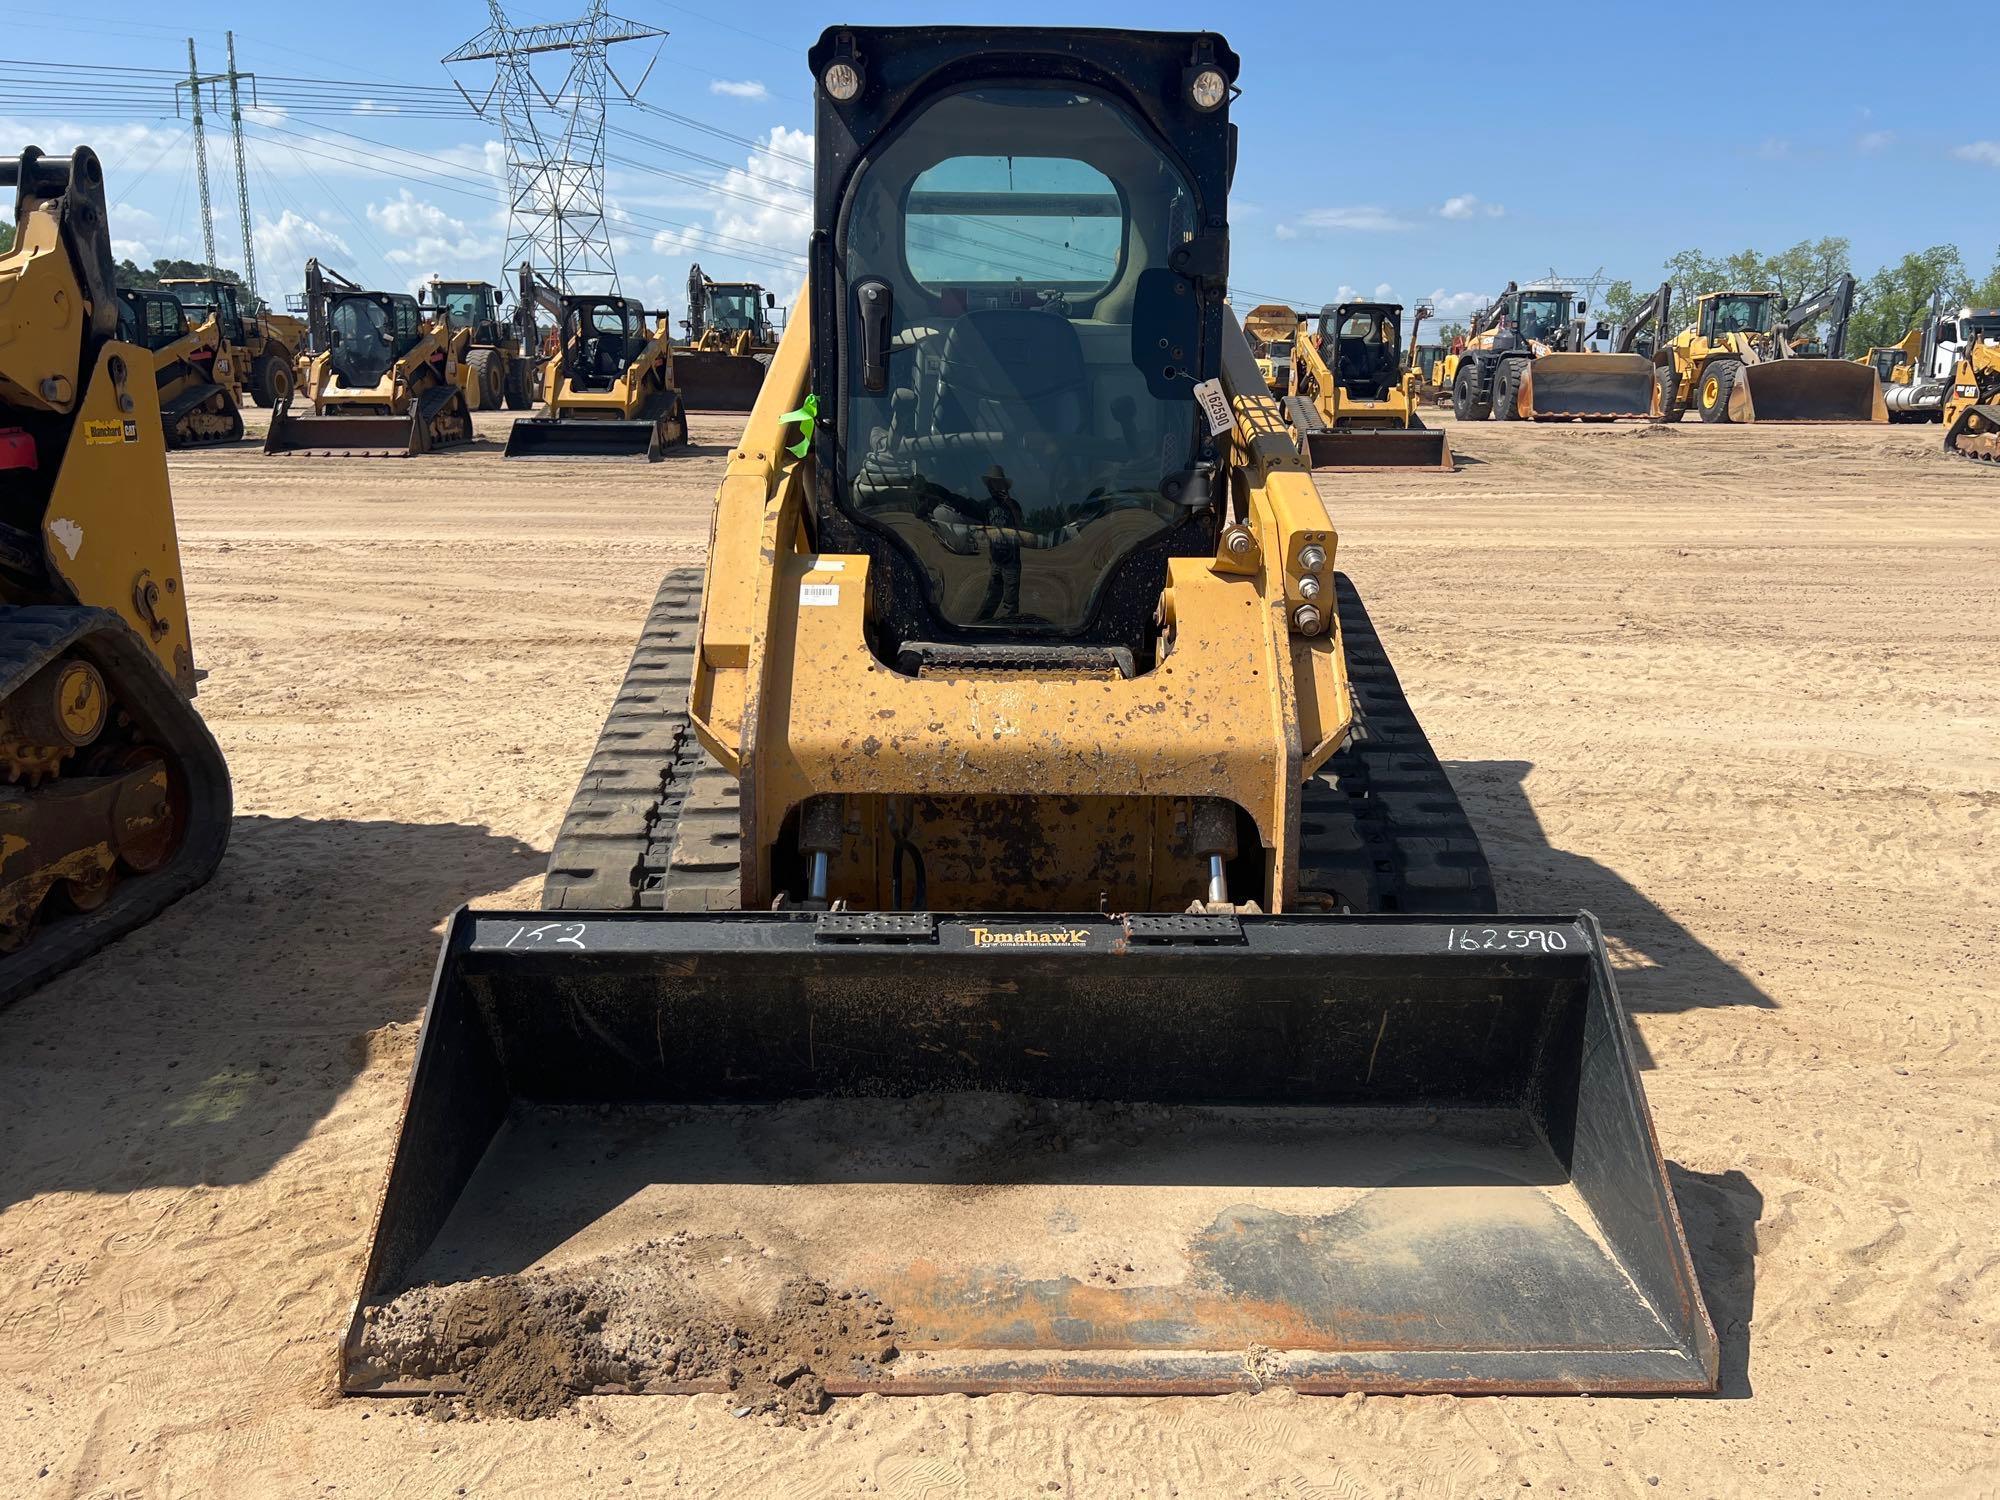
(1012, 902)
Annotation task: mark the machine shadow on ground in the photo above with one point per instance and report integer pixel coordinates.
(1661, 966)
(203, 1047)
(1720, 1212)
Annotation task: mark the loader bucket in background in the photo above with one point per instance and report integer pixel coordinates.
(1347, 449)
(1807, 390)
(1077, 1154)
(710, 380)
(1580, 387)
(584, 437)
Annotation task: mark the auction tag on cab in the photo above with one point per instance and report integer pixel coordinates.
(1214, 406)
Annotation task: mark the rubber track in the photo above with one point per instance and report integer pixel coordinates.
(30, 638)
(654, 823)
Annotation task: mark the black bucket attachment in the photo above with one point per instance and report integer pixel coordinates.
(1081, 1154)
(438, 418)
(710, 380)
(1347, 449)
(583, 437)
(1807, 390)
(1586, 387)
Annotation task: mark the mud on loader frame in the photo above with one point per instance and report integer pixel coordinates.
(1322, 1139)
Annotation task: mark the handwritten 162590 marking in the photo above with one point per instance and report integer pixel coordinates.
(1506, 939)
(548, 934)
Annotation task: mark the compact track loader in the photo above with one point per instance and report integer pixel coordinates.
(383, 379)
(1353, 399)
(729, 344)
(1745, 359)
(1972, 410)
(190, 368)
(114, 800)
(610, 392)
(1013, 891)
(1525, 360)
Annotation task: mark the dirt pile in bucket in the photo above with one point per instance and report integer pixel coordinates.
(528, 1345)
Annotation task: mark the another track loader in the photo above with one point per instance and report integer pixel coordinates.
(383, 380)
(1353, 398)
(114, 800)
(1972, 410)
(1013, 893)
(1744, 359)
(729, 344)
(610, 392)
(191, 368)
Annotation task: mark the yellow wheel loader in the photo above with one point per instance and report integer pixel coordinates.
(1972, 410)
(1353, 400)
(384, 381)
(499, 364)
(1012, 903)
(191, 371)
(114, 799)
(1746, 358)
(261, 350)
(610, 391)
(1526, 359)
(729, 344)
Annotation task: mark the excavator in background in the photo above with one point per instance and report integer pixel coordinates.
(1353, 400)
(1014, 884)
(114, 798)
(1972, 410)
(503, 356)
(1748, 357)
(721, 364)
(1270, 327)
(384, 381)
(262, 348)
(1527, 358)
(191, 370)
(608, 392)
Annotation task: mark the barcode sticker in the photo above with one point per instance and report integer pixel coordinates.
(1214, 406)
(819, 593)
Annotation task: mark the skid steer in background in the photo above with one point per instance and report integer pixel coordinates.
(500, 358)
(114, 800)
(1972, 410)
(729, 344)
(190, 368)
(1747, 357)
(1353, 401)
(1027, 804)
(262, 349)
(609, 392)
(1527, 359)
(384, 381)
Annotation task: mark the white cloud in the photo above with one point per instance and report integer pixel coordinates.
(1875, 140)
(1774, 148)
(764, 203)
(289, 239)
(749, 88)
(1284, 232)
(1364, 219)
(1469, 206)
(370, 107)
(434, 240)
(1454, 305)
(1986, 153)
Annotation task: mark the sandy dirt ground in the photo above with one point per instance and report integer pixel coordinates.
(1734, 690)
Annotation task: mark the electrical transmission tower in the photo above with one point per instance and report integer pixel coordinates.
(555, 141)
(196, 82)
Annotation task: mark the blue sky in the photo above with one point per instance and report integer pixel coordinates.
(1360, 167)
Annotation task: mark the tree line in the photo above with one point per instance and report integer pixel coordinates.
(134, 276)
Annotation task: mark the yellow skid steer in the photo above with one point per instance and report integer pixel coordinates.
(1353, 401)
(610, 392)
(1013, 932)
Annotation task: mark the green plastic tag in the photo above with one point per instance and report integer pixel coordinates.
(806, 416)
